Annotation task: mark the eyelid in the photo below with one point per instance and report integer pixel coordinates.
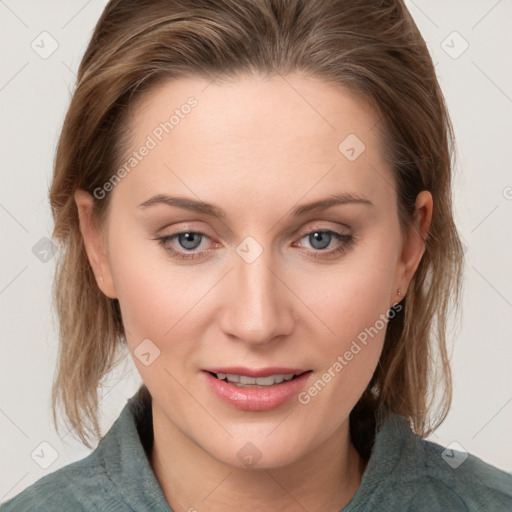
(341, 230)
(321, 226)
(182, 254)
(329, 231)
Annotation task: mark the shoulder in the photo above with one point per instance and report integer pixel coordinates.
(72, 487)
(429, 476)
(407, 472)
(463, 478)
(115, 476)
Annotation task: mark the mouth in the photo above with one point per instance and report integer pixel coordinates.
(246, 381)
(256, 390)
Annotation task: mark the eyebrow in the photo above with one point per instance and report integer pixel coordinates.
(214, 211)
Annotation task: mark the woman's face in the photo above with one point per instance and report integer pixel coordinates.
(289, 259)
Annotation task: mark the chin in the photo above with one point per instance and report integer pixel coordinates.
(258, 451)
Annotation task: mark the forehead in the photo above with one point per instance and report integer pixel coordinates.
(257, 133)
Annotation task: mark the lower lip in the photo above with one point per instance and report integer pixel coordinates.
(256, 398)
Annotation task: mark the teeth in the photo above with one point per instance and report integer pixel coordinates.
(250, 380)
(245, 381)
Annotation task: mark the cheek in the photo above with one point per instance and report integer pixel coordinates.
(353, 295)
(154, 295)
(352, 303)
(155, 306)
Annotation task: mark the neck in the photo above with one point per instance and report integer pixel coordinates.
(325, 479)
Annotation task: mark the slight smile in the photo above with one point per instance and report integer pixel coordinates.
(256, 389)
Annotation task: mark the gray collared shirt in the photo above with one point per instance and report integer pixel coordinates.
(404, 472)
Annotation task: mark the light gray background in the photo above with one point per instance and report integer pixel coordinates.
(34, 94)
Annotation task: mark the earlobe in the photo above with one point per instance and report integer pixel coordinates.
(414, 241)
(94, 243)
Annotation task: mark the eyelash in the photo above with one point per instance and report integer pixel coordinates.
(346, 241)
(183, 255)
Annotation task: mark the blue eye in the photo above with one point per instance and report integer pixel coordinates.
(185, 245)
(320, 240)
(189, 240)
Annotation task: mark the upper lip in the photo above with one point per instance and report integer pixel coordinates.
(256, 372)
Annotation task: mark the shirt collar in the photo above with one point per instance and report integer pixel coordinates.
(125, 451)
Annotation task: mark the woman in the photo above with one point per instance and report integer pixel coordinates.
(253, 198)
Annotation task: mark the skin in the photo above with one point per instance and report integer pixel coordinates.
(257, 148)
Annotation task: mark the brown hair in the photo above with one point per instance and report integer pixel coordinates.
(371, 47)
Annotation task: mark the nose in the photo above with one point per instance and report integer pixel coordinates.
(259, 306)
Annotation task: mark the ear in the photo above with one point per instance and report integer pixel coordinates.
(414, 242)
(95, 243)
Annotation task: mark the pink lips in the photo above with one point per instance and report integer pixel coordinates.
(256, 398)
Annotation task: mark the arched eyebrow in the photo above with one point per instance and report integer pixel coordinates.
(214, 211)
(186, 203)
(329, 201)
